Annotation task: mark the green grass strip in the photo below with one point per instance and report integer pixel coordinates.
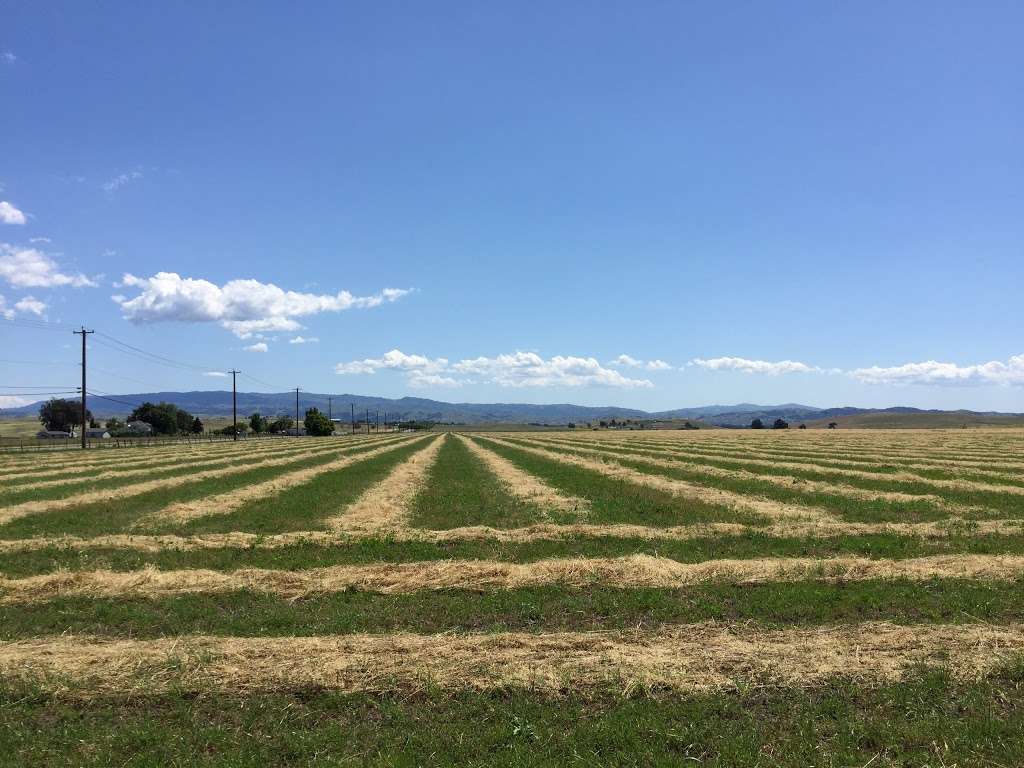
(363, 551)
(530, 609)
(619, 501)
(117, 515)
(304, 507)
(928, 719)
(998, 505)
(461, 491)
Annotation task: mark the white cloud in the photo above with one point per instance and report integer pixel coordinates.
(304, 340)
(121, 180)
(8, 57)
(31, 305)
(755, 366)
(259, 346)
(40, 240)
(14, 401)
(244, 307)
(11, 215)
(215, 374)
(518, 369)
(932, 372)
(31, 268)
(626, 361)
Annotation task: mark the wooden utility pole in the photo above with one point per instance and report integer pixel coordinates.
(84, 333)
(234, 405)
(296, 411)
(367, 421)
(352, 408)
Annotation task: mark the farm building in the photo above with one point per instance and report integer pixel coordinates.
(52, 434)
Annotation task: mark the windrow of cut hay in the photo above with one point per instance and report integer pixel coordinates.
(384, 508)
(15, 511)
(632, 572)
(525, 486)
(694, 657)
(770, 509)
(225, 503)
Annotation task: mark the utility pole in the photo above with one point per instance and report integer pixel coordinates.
(367, 421)
(234, 404)
(378, 422)
(385, 421)
(84, 333)
(296, 411)
(352, 406)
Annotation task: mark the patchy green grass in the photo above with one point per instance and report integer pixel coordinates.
(619, 501)
(531, 609)
(460, 491)
(929, 719)
(997, 505)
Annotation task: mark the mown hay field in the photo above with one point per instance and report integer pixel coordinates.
(798, 598)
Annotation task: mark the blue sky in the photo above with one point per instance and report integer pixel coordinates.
(760, 202)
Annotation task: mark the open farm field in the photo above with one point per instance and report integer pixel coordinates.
(711, 597)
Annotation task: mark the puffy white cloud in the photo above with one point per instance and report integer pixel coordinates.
(259, 346)
(755, 366)
(244, 307)
(626, 361)
(11, 215)
(518, 369)
(121, 180)
(15, 401)
(932, 372)
(304, 340)
(31, 305)
(215, 374)
(395, 360)
(8, 57)
(31, 268)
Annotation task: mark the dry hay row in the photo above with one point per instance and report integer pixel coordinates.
(199, 463)
(785, 481)
(229, 501)
(525, 486)
(957, 485)
(632, 572)
(139, 459)
(941, 530)
(383, 508)
(16, 511)
(834, 447)
(985, 468)
(47, 465)
(692, 657)
(773, 510)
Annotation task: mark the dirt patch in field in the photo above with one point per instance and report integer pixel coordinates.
(695, 657)
(384, 508)
(630, 572)
(525, 486)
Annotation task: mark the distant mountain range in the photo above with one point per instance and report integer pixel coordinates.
(218, 403)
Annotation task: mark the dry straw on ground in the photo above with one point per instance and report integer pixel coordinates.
(635, 571)
(384, 508)
(697, 657)
(525, 486)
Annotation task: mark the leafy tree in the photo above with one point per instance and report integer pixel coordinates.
(164, 418)
(803, 426)
(61, 415)
(258, 424)
(757, 424)
(114, 425)
(832, 425)
(317, 424)
(197, 426)
(780, 424)
(280, 424)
